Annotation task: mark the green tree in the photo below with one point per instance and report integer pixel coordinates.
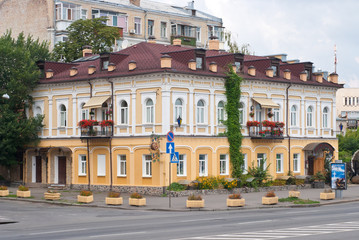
(92, 32)
(233, 46)
(18, 77)
(348, 145)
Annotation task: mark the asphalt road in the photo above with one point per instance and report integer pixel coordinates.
(44, 221)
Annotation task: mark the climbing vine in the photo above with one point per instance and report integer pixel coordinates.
(234, 135)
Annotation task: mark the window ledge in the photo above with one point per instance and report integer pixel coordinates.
(146, 176)
(82, 175)
(122, 176)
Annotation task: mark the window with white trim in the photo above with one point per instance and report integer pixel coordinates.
(241, 113)
(82, 165)
(163, 29)
(203, 165)
(67, 11)
(309, 117)
(121, 165)
(325, 117)
(151, 25)
(182, 165)
(245, 163)
(123, 112)
(149, 111)
(258, 115)
(261, 160)
(84, 112)
(178, 109)
(83, 14)
(137, 25)
(101, 165)
(220, 112)
(37, 111)
(63, 116)
(276, 112)
(279, 162)
(198, 34)
(146, 165)
(200, 111)
(296, 162)
(293, 116)
(223, 164)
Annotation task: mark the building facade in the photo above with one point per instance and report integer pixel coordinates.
(137, 20)
(146, 88)
(347, 109)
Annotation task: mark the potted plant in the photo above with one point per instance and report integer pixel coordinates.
(270, 114)
(251, 114)
(23, 192)
(52, 195)
(4, 191)
(195, 201)
(294, 193)
(235, 200)
(85, 197)
(327, 194)
(318, 180)
(137, 199)
(113, 198)
(270, 198)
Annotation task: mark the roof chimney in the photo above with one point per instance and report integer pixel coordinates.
(303, 76)
(73, 71)
(319, 77)
(49, 73)
(166, 61)
(111, 67)
(86, 51)
(91, 69)
(177, 42)
(251, 71)
(333, 78)
(269, 72)
(136, 2)
(287, 74)
(132, 65)
(213, 67)
(192, 64)
(151, 39)
(213, 43)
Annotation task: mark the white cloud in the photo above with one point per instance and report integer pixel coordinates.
(357, 59)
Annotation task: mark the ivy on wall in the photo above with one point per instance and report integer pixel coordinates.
(234, 135)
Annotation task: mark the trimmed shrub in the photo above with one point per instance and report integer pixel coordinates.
(194, 197)
(136, 195)
(113, 195)
(85, 193)
(235, 196)
(23, 188)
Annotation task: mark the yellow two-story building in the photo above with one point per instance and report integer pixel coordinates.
(106, 117)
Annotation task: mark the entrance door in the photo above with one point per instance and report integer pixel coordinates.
(38, 169)
(62, 170)
(311, 165)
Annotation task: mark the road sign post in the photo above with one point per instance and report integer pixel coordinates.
(170, 148)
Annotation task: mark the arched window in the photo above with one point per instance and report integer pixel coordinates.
(276, 114)
(325, 117)
(258, 114)
(200, 111)
(220, 112)
(241, 113)
(178, 109)
(38, 111)
(149, 111)
(63, 116)
(293, 116)
(84, 112)
(123, 113)
(310, 117)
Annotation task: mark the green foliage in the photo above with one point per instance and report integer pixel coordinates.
(348, 144)
(234, 135)
(318, 176)
(296, 200)
(288, 199)
(194, 197)
(18, 77)
(260, 173)
(93, 32)
(233, 46)
(136, 195)
(85, 193)
(23, 188)
(291, 181)
(216, 183)
(177, 187)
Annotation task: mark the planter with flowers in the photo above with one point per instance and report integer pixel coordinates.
(113, 198)
(106, 123)
(136, 199)
(52, 195)
(4, 191)
(195, 201)
(328, 194)
(270, 114)
(251, 114)
(267, 123)
(85, 197)
(88, 125)
(253, 123)
(23, 192)
(235, 200)
(279, 124)
(294, 193)
(270, 198)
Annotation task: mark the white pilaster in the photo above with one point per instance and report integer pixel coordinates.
(319, 131)
(190, 110)
(74, 115)
(166, 110)
(50, 117)
(212, 109)
(133, 105)
(303, 118)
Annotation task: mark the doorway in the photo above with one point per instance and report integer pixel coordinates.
(62, 170)
(38, 169)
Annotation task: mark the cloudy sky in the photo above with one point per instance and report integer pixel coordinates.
(306, 30)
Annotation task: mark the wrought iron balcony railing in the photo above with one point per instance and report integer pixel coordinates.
(260, 132)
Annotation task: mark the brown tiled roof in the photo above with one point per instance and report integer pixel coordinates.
(148, 60)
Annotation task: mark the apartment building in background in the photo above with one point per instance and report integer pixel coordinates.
(347, 109)
(107, 115)
(137, 20)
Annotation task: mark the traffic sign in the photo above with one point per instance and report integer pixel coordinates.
(174, 157)
(170, 147)
(170, 136)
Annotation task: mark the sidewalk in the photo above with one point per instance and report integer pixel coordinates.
(212, 202)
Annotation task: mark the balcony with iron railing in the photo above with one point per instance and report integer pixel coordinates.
(265, 130)
(96, 129)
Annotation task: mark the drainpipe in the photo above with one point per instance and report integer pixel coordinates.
(90, 88)
(287, 124)
(145, 25)
(88, 164)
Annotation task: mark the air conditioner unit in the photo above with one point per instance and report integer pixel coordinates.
(132, 31)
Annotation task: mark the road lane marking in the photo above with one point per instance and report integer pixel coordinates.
(204, 219)
(256, 222)
(117, 234)
(60, 231)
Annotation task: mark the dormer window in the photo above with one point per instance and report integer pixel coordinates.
(199, 62)
(238, 61)
(238, 66)
(105, 61)
(200, 58)
(105, 64)
(275, 70)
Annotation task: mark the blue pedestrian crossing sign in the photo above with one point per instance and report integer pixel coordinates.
(170, 147)
(174, 157)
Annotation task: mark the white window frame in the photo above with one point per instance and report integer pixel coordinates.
(276, 115)
(279, 163)
(146, 165)
(245, 163)
(259, 159)
(62, 116)
(182, 164)
(82, 165)
(149, 112)
(121, 165)
(164, 30)
(325, 117)
(310, 116)
(137, 26)
(84, 112)
(123, 111)
(150, 27)
(83, 13)
(241, 113)
(201, 112)
(296, 162)
(223, 163)
(203, 172)
(294, 116)
(101, 165)
(178, 110)
(220, 113)
(198, 34)
(258, 113)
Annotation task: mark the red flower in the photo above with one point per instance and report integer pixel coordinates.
(87, 123)
(252, 123)
(267, 123)
(106, 123)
